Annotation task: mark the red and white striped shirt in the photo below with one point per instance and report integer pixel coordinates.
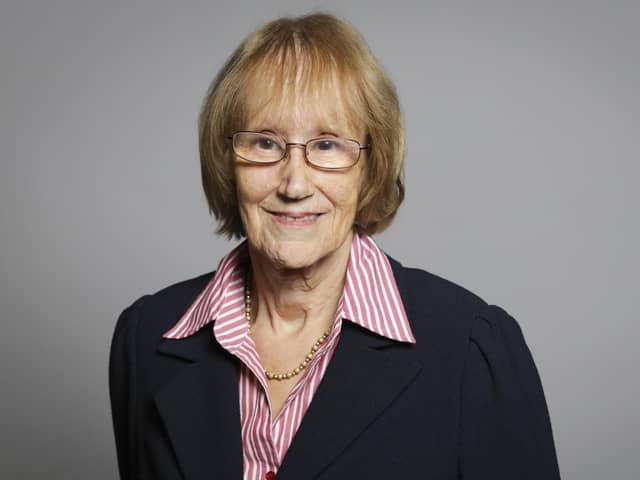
(370, 299)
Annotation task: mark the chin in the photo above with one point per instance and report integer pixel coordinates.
(296, 255)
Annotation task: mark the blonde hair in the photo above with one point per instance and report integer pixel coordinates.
(314, 53)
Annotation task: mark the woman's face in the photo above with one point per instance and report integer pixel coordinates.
(295, 215)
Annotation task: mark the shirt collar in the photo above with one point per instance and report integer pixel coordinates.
(370, 297)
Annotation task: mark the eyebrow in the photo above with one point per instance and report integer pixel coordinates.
(321, 130)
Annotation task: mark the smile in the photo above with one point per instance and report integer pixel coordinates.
(297, 219)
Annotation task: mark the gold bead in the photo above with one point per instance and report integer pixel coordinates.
(307, 359)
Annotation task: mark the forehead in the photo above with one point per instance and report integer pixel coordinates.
(295, 98)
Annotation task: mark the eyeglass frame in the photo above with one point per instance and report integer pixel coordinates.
(297, 144)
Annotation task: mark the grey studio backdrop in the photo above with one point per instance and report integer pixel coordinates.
(522, 176)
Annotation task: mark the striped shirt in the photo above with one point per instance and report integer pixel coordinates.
(370, 298)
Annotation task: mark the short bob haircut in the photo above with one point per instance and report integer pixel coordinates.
(320, 57)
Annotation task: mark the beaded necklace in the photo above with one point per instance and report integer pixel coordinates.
(307, 359)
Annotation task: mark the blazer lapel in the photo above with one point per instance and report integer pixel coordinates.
(365, 375)
(200, 408)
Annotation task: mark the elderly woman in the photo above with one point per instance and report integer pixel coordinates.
(309, 353)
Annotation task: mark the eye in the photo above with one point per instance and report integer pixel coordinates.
(326, 145)
(266, 143)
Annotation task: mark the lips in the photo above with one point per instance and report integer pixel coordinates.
(295, 218)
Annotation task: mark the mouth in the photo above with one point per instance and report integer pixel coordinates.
(295, 218)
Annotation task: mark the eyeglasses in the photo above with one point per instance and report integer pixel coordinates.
(324, 152)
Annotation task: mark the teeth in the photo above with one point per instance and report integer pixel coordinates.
(299, 219)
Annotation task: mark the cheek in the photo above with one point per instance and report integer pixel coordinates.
(344, 196)
(352, 190)
(253, 185)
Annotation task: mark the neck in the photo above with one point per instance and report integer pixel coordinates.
(293, 301)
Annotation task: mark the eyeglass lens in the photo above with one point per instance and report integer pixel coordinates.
(327, 152)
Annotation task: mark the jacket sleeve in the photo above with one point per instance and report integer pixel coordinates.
(505, 430)
(122, 371)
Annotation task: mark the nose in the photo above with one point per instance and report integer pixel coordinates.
(295, 183)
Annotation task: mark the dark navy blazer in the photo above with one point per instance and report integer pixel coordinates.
(464, 402)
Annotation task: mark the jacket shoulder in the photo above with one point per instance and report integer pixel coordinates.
(158, 312)
(425, 290)
(437, 308)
